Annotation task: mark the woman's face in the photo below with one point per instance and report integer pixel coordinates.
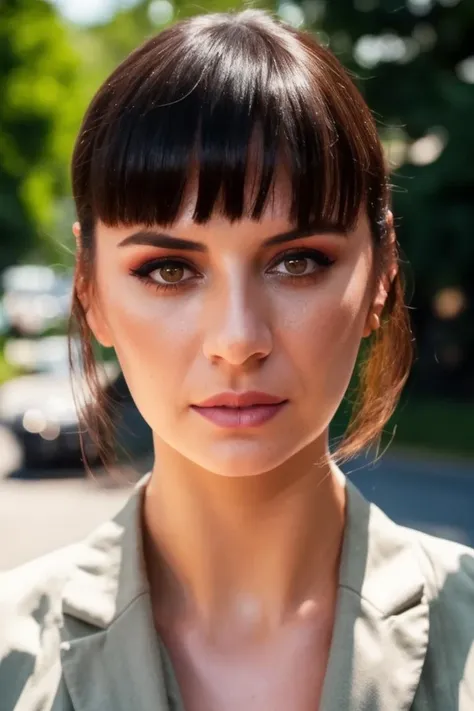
(194, 311)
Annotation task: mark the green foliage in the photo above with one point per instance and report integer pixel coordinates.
(421, 93)
(38, 118)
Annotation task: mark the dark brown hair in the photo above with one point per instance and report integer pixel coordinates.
(193, 98)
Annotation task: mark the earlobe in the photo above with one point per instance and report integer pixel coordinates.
(375, 313)
(390, 221)
(93, 314)
(384, 286)
(76, 230)
(88, 299)
(98, 326)
(377, 307)
(372, 324)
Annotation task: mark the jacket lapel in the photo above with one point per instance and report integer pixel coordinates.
(111, 656)
(381, 631)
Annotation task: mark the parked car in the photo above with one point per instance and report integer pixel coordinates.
(39, 410)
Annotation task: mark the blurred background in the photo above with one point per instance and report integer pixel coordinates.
(414, 62)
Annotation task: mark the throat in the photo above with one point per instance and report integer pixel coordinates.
(243, 572)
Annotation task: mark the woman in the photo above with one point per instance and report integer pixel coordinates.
(236, 247)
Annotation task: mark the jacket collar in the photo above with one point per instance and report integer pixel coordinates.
(109, 571)
(111, 657)
(380, 636)
(113, 660)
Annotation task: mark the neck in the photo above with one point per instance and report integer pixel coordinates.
(244, 553)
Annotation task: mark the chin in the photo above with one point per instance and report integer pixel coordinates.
(242, 459)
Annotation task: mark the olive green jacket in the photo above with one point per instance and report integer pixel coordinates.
(76, 629)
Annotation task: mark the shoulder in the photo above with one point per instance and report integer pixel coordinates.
(448, 569)
(34, 589)
(31, 619)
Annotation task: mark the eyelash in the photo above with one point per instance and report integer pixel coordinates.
(143, 272)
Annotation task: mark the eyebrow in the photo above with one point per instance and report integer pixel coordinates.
(153, 238)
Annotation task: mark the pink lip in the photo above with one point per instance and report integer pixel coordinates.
(247, 399)
(235, 410)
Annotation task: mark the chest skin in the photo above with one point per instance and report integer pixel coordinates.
(285, 671)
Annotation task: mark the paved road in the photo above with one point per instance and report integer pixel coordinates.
(432, 495)
(38, 516)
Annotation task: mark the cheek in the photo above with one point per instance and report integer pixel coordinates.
(154, 341)
(323, 331)
(334, 311)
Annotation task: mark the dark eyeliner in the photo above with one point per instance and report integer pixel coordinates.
(320, 257)
(144, 270)
(147, 268)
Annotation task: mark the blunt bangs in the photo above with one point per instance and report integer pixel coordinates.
(217, 104)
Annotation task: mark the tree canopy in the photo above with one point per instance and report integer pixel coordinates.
(39, 83)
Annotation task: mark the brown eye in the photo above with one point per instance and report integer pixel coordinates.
(296, 265)
(302, 263)
(171, 273)
(163, 273)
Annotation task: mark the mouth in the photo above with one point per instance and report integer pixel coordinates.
(240, 410)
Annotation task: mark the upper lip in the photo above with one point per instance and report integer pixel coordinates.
(247, 399)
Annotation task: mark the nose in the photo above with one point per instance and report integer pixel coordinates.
(237, 331)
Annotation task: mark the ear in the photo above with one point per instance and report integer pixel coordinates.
(384, 283)
(89, 298)
(98, 324)
(76, 231)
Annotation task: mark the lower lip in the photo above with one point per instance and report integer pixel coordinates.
(239, 417)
